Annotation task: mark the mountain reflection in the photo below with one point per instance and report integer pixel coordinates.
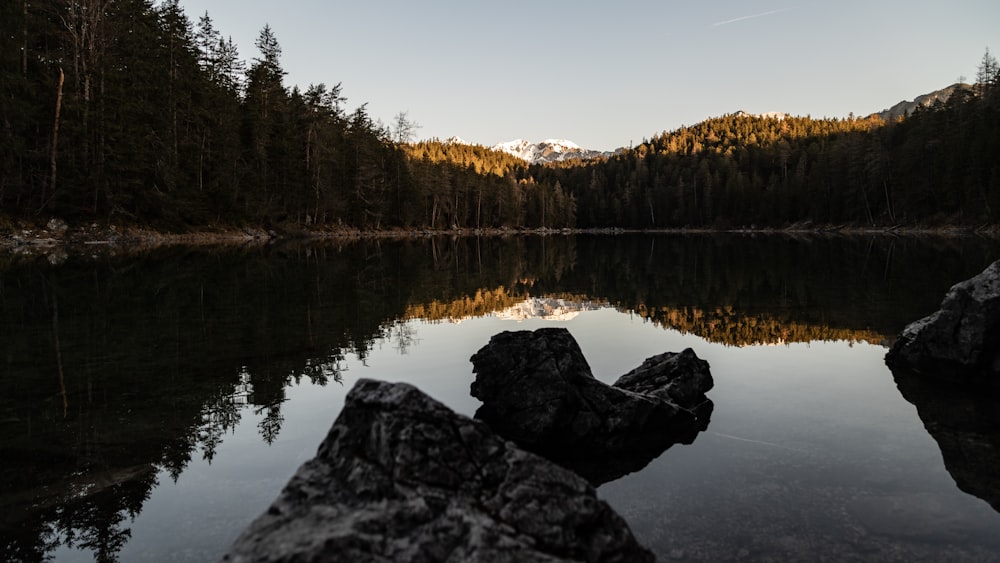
(117, 370)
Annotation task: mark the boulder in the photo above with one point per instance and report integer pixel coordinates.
(538, 391)
(962, 339)
(960, 343)
(400, 477)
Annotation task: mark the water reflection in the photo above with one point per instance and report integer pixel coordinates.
(965, 423)
(118, 371)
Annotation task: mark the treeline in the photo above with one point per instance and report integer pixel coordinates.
(125, 110)
(737, 328)
(474, 186)
(937, 166)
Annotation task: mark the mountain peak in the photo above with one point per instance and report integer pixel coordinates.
(455, 140)
(549, 150)
(905, 108)
(769, 115)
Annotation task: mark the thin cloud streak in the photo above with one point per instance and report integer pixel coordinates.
(742, 18)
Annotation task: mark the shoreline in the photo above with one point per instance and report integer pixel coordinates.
(23, 238)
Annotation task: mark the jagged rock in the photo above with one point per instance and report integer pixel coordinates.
(962, 339)
(538, 390)
(400, 477)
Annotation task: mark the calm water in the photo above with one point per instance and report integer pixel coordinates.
(153, 405)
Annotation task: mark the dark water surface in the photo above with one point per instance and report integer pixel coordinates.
(153, 405)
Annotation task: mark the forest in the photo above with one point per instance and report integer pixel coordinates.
(131, 112)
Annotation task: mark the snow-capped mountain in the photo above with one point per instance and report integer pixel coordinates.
(546, 308)
(769, 115)
(549, 150)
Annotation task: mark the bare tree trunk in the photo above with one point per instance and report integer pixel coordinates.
(888, 201)
(54, 149)
(59, 365)
(868, 207)
(99, 148)
(479, 207)
(201, 165)
(24, 40)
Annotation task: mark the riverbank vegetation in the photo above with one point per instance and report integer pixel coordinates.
(129, 112)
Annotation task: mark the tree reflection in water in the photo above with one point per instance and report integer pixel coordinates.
(162, 354)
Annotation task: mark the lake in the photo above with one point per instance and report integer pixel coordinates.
(154, 403)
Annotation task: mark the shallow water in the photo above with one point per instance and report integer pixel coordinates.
(154, 405)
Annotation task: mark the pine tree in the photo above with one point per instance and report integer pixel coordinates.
(987, 75)
(264, 103)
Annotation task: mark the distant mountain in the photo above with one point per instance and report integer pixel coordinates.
(547, 308)
(905, 108)
(549, 150)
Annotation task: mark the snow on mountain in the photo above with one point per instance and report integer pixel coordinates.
(769, 115)
(455, 140)
(549, 150)
(542, 308)
(546, 308)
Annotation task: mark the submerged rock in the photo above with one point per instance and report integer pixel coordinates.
(538, 390)
(400, 477)
(962, 339)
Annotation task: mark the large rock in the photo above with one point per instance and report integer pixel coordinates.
(960, 343)
(400, 477)
(962, 339)
(538, 390)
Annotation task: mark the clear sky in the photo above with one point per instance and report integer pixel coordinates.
(607, 74)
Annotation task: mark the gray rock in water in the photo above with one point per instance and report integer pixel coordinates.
(960, 343)
(400, 477)
(538, 390)
(962, 339)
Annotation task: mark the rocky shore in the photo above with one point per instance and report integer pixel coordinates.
(43, 236)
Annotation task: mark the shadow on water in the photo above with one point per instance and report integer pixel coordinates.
(117, 371)
(965, 423)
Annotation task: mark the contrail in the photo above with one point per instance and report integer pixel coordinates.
(760, 15)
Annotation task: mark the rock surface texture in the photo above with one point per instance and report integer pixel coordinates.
(400, 477)
(962, 339)
(538, 391)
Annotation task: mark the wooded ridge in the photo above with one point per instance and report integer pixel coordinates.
(125, 112)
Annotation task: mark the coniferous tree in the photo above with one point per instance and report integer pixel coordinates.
(264, 103)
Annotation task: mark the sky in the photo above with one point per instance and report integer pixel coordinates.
(610, 74)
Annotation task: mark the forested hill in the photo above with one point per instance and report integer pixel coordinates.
(128, 111)
(119, 110)
(936, 167)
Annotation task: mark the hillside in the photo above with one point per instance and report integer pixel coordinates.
(906, 108)
(167, 127)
